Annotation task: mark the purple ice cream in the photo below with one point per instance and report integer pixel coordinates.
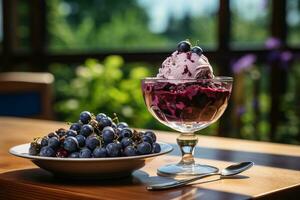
(186, 63)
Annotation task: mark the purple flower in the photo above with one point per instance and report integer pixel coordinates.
(273, 43)
(286, 56)
(240, 110)
(244, 63)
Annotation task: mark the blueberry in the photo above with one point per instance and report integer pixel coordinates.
(184, 46)
(141, 133)
(148, 139)
(108, 134)
(47, 152)
(122, 125)
(86, 130)
(92, 142)
(71, 144)
(119, 145)
(130, 151)
(100, 152)
(100, 116)
(33, 151)
(71, 133)
(126, 132)
(105, 121)
(80, 140)
(61, 132)
(144, 148)
(197, 50)
(156, 148)
(85, 117)
(74, 155)
(113, 125)
(85, 153)
(112, 150)
(52, 134)
(44, 141)
(53, 142)
(151, 134)
(34, 148)
(76, 127)
(126, 142)
(118, 133)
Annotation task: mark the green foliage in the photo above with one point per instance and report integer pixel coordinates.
(243, 25)
(293, 19)
(255, 124)
(103, 87)
(289, 127)
(120, 25)
(112, 25)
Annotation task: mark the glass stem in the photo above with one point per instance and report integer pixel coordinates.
(187, 143)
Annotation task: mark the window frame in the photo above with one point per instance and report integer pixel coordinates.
(39, 58)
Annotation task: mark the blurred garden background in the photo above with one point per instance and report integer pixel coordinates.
(98, 51)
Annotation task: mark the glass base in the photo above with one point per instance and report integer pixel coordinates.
(173, 170)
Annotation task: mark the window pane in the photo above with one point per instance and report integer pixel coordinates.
(293, 21)
(23, 25)
(19, 21)
(1, 26)
(250, 22)
(130, 25)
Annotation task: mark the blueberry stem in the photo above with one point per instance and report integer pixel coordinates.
(115, 119)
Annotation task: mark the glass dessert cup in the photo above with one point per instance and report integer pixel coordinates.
(186, 105)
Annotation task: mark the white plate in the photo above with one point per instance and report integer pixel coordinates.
(89, 167)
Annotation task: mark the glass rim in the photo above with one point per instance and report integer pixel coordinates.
(216, 78)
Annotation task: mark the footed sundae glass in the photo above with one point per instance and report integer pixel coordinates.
(186, 105)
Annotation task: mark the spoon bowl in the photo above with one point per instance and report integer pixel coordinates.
(236, 169)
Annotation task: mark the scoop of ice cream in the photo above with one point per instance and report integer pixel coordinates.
(185, 65)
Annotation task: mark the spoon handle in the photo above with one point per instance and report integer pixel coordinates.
(174, 184)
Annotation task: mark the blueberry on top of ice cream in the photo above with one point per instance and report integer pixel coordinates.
(186, 63)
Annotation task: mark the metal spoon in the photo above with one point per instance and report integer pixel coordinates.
(228, 171)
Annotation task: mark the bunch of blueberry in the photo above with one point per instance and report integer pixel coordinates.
(95, 136)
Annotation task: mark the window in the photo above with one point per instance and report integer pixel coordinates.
(39, 34)
(250, 22)
(293, 22)
(1, 25)
(130, 25)
(22, 40)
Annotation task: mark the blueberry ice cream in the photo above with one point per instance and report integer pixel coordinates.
(186, 63)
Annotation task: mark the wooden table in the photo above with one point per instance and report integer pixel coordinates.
(276, 174)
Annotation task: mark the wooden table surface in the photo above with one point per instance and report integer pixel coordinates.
(276, 174)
